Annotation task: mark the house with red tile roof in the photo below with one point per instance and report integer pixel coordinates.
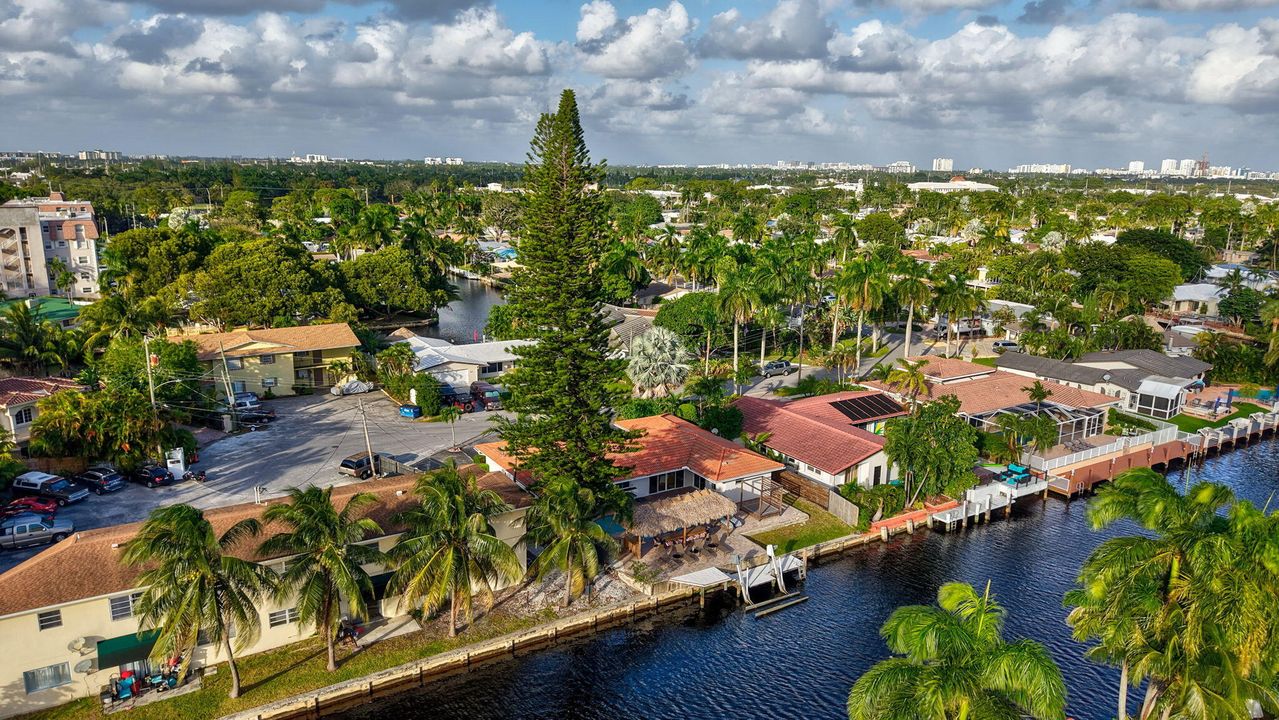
(18, 398)
(833, 439)
(76, 601)
(671, 454)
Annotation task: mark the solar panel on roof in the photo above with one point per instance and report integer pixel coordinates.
(863, 408)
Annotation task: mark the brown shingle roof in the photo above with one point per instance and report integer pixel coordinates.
(669, 443)
(87, 564)
(1004, 390)
(270, 341)
(947, 369)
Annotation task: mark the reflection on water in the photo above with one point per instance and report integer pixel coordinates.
(799, 663)
(463, 320)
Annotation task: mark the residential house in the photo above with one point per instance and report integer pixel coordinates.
(1142, 381)
(283, 361)
(59, 310)
(1196, 299)
(18, 398)
(833, 439)
(460, 365)
(671, 454)
(984, 393)
(626, 324)
(72, 607)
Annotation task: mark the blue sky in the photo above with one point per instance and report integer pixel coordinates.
(990, 83)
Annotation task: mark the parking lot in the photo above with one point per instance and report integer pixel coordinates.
(303, 446)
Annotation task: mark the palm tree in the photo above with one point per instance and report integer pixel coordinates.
(864, 283)
(1037, 393)
(195, 586)
(328, 557)
(769, 318)
(909, 379)
(451, 414)
(563, 520)
(911, 289)
(953, 297)
(25, 339)
(845, 235)
(449, 547)
(657, 363)
(841, 357)
(736, 302)
(376, 227)
(953, 664)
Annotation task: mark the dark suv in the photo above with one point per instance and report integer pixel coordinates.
(152, 474)
(49, 486)
(460, 400)
(100, 479)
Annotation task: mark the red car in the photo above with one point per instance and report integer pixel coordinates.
(30, 504)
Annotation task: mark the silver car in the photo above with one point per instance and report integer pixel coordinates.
(30, 529)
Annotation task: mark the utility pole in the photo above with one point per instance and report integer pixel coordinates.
(146, 360)
(226, 384)
(368, 445)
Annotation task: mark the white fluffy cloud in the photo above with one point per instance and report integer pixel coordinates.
(792, 29)
(641, 47)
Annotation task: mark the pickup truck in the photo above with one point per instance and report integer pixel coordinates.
(40, 484)
(486, 396)
(30, 529)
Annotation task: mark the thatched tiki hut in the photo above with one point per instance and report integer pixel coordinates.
(677, 512)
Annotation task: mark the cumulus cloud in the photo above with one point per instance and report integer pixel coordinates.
(793, 29)
(930, 7)
(1044, 12)
(408, 9)
(641, 47)
(1202, 5)
(49, 24)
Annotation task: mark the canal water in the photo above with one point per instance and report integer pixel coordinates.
(464, 319)
(799, 663)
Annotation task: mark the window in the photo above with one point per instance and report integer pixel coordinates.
(666, 481)
(86, 290)
(49, 620)
(879, 469)
(493, 368)
(234, 363)
(79, 235)
(22, 417)
(22, 233)
(238, 386)
(83, 259)
(84, 276)
(282, 617)
(46, 677)
(267, 360)
(122, 606)
(270, 382)
(62, 243)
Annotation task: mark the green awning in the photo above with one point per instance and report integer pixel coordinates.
(125, 649)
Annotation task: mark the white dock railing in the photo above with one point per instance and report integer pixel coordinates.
(1165, 433)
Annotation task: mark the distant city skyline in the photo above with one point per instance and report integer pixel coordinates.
(990, 83)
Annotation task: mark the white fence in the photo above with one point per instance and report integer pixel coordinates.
(1165, 433)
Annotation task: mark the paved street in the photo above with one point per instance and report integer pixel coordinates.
(304, 445)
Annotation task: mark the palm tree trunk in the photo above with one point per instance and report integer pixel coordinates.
(910, 320)
(706, 359)
(860, 317)
(1148, 703)
(763, 340)
(568, 577)
(799, 359)
(453, 613)
(230, 663)
(834, 326)
(328, 637)
(1123, 691)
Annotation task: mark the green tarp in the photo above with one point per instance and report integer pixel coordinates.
(125, 649)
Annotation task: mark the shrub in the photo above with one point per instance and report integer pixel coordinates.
(303, 390)
(727, 420)
(892, 498)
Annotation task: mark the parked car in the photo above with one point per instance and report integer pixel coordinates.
(358, 465)
(250, 397)
(486, 396)
(777, 367)
(256, 417)
(1003, 346)
(29, 504)
(458, 399)
(44, 485)
(100, 479)
(152, 474)
(30, 529)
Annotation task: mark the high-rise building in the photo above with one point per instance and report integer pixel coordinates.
(1187, 167)
(943, 165)
(1168, 167)
(39, 234)
(109, 155)
(1136, 167)
(1042, 169)
(901, 166)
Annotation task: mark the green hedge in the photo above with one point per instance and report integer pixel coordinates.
(868, 500)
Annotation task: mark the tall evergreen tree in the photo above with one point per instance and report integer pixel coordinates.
(566, 383)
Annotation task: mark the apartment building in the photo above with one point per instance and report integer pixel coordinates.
(39, 234)
(71, 609)
(283, 361)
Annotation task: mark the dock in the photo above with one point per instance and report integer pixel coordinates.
(980, 502)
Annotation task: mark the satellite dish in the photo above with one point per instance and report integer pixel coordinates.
(80, 645)
(84, 667)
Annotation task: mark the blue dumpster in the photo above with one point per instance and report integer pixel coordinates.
(410, 411)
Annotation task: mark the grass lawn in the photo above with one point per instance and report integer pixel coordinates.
(820, 527)
(1191, 424)
(298, 668)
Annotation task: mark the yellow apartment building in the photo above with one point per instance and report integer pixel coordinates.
(282, 360)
